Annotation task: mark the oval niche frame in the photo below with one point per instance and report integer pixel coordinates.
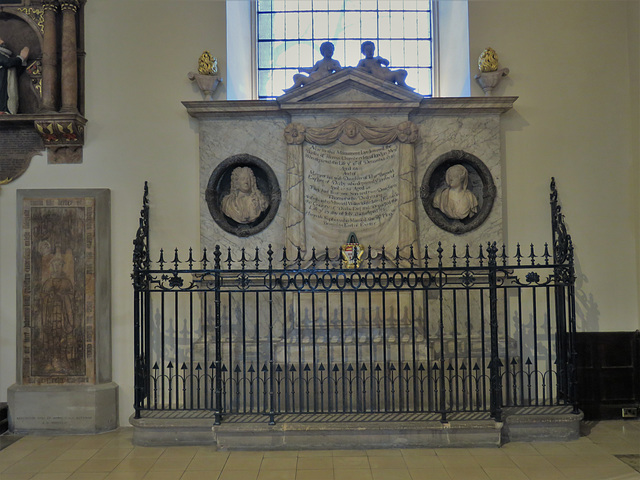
(219, 185)
(481, 184)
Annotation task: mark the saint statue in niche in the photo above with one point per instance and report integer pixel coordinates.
(454, 200)
(8, 77)
(377, 66)
(323, 68)
(245, 202)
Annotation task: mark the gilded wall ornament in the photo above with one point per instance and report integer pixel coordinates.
(490, 75)
(488, 61)
(71, 5)
(206, 77)
(207, 65)
(35, 14)
(35, 73)
(68, 132)
(352, 252)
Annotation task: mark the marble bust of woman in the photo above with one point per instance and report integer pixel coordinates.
(245, 202)
(455, 200)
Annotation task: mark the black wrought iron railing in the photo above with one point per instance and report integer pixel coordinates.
(259, 332)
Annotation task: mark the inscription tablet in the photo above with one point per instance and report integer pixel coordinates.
(351, 188)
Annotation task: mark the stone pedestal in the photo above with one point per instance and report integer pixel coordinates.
(63, 409)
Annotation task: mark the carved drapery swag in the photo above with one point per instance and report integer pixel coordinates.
(352, 132)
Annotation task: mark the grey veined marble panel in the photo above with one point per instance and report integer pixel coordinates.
(348, 117)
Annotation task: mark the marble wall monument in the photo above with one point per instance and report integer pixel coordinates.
(353, 153)
(64, 364)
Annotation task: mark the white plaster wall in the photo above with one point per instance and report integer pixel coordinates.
(138, 56)
(571, 64)
(633, 23)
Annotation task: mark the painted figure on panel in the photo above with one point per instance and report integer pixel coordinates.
(57, 311)
(245, 202)
(9, 77)
(377, 66)
(323, 68)
(455, 200)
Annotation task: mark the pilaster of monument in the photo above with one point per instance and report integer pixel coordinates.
(69, 75)
(295, 228)
(407, 201)
(64, 331)
(49, 57)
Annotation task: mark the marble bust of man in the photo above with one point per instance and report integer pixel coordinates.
(455, 200)
(245, 202)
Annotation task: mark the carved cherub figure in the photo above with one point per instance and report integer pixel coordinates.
(377, 66)
(323, 68)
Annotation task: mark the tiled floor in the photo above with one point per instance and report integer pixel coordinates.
(112, 456)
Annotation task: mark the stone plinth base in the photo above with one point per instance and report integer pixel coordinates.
(335, 431)
(321, 432)
(150, 432)
(63, 409)
(370, 435)
(554, 424)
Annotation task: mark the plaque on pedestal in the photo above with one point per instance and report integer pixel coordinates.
(64, 337)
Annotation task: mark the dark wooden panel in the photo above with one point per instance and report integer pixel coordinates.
(608, 366)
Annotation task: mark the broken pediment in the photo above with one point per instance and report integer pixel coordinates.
(349, 86)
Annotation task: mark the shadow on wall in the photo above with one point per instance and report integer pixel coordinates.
(511, 121)
(587, 312)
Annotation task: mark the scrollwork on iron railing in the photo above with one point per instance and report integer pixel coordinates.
(467, 329)
(250, 272)
(141, 279)
(141, 244)
(562, 244)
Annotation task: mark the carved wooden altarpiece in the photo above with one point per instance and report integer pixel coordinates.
(50, 114)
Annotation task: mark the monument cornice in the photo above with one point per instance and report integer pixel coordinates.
(389, 108)
(428, 106)
(30, 118)
(462, 105)
(233, 108)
